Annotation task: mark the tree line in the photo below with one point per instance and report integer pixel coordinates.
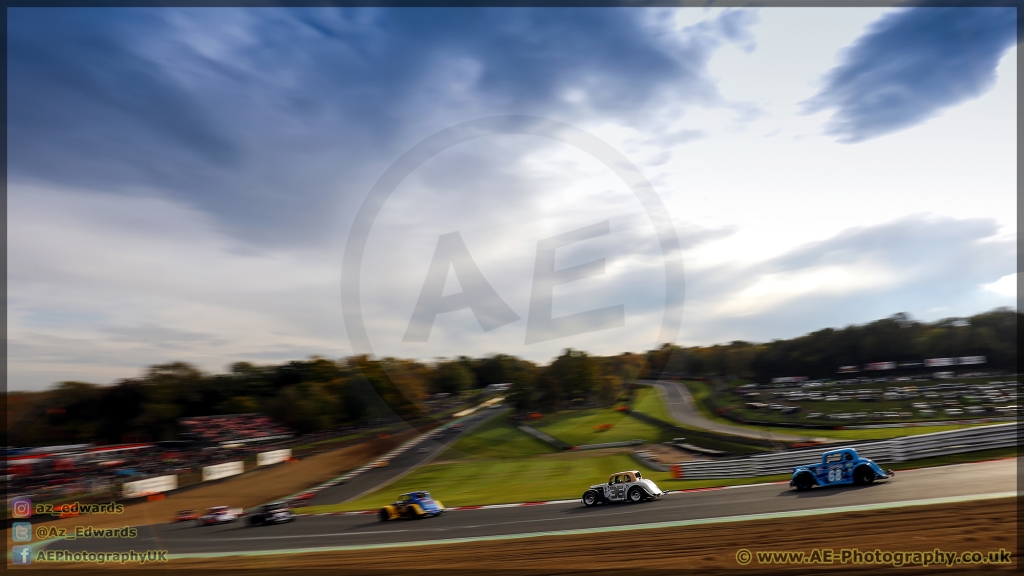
(820, 354)
(322, 394)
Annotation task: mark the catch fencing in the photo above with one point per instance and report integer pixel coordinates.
(883, 451)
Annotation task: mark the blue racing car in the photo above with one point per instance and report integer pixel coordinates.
(412, 505)
(843, 466)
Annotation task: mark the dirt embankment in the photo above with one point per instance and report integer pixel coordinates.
(710, 549)
(250, 489)
(667, 454)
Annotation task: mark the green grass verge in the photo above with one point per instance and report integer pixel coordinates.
(496, 439)
(701, 390)
(648, 401)
(578, 427)
(563, 476)
(546, 477)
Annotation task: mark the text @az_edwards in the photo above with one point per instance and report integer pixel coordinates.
(44, 532)
(875, 557)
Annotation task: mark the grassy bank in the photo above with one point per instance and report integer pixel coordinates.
(596, 426)
(496, 439)
(648, 401)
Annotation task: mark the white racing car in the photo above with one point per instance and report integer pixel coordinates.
(219, 515)
(628, 486)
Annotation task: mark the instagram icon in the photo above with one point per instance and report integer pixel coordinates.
(21, 508)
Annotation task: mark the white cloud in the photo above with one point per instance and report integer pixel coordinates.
(97, 281)
(776, 289)
(1005, 286)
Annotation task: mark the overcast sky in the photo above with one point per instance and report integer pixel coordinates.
(182, 183)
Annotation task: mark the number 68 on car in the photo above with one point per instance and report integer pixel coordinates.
(843, 466)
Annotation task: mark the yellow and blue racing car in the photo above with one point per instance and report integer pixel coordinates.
(412, 505)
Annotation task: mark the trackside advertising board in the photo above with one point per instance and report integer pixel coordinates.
(149, 486)
(273, 457)
(224, 470)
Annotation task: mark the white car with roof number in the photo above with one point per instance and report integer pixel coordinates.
(628, 486)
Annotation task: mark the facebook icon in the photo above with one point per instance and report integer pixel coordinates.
(21, 554)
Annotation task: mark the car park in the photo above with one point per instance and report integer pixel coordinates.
(838, 467)
(627, 486)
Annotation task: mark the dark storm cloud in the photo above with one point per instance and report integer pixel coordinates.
(276, 121)
(911, 65)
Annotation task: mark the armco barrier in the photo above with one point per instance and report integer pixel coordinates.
(273, 457)
(611, 445)
(149, 486)
(218, 471)
(544, 437)
(885, 451)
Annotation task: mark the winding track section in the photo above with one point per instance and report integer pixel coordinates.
(313, 532)
(684, 409)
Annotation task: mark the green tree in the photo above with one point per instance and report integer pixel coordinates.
(452, 377)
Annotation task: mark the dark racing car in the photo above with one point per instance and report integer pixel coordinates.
(276, 513)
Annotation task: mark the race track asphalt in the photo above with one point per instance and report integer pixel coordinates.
(311, 532)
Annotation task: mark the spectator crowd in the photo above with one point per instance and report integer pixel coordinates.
(230, 428)
(59, 472)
